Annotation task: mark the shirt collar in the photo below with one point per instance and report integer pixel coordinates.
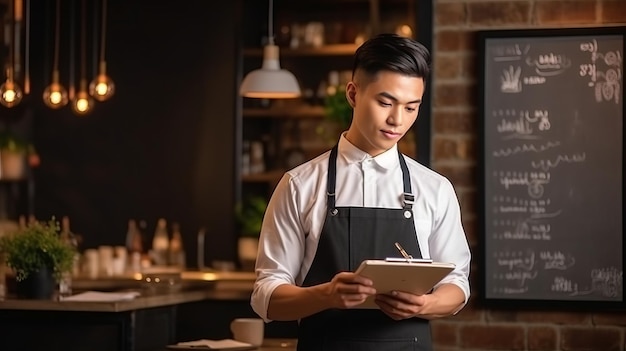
(352, 154)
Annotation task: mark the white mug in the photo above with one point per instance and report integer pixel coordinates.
(248, 330)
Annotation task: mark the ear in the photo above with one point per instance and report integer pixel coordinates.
(351, 94)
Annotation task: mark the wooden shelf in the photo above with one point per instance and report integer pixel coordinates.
(326, 50)
(264, 177)
(285, 112)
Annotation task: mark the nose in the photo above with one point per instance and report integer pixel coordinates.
(395, 116)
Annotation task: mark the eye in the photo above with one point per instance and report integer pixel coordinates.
(410, 109)
(384, 104)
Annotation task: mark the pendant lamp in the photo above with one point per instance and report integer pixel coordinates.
(55, 95)
(82, 103)
(10, 92)
(102, 87)
(270, 81)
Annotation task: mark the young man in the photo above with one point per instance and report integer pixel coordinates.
(353, 203)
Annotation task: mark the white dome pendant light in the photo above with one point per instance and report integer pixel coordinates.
(270, 81)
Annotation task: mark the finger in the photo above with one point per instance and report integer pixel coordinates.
(349, 277)
(357, 289)
(395, 306)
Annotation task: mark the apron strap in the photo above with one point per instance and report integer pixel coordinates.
(331, 176)
(409, 198)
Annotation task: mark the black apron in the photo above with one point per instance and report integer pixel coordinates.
(350, 235)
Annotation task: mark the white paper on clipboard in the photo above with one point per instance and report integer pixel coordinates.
(411, 276)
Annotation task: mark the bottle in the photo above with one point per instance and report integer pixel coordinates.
(160, 243)
(134, 245)
(200, 248)
(134, 242)
(145, 259)
(177, 251)
(65, 283)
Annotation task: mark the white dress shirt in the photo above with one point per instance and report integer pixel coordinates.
(296, 212)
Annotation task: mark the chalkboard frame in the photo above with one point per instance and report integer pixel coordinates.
(515, 303)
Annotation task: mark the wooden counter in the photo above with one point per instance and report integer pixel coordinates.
(146, 323)
(141, 302)
(200, 310)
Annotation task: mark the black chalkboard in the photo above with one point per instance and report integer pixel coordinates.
(551, 106)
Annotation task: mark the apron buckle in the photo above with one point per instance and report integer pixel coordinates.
(409, 200)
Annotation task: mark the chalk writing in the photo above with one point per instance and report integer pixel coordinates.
(549, 64)
(561, 284)
(525, 148)
(607, 83)
(553, 167)
(510, 80)
(556, 260)
(509, 53)
(534, 80)
(521, 124)
(534, 181)
(553, 163)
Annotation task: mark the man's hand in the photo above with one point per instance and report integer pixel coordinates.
(347, 290)
(443, 301)
(401, 305)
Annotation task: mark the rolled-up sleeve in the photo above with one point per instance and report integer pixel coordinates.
(448, 242)
(281, 246)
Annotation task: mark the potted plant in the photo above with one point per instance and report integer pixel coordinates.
(38, 256)
(249, 215)
(15, 154)
(336, 106)
(337, 113)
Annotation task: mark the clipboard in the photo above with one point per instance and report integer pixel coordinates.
(416, 276)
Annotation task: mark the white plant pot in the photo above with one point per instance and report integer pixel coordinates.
(12, 165)
(247, 249)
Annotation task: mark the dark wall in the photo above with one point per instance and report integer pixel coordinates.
(163, 146)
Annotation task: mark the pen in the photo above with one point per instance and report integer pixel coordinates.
(403, 252)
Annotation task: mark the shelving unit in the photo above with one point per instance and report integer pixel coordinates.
(326, 50)
(298, 112)
(283, 126)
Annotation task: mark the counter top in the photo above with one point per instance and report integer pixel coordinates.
(141, 302)
(189, 286)
(187, 279)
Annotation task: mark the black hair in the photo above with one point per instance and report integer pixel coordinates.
(391, 52)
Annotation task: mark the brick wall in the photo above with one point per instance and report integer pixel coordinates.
(455, 155)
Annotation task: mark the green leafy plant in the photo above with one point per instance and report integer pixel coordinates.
(35, 247)
(336, 106)
(15, 144)
(249, 214)
(12, 142)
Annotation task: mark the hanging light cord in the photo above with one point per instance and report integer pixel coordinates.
(11, 43)
(270, 17)
(103, 28)
(83, 42)
(72, 59)
(57, 30)
(27, 50)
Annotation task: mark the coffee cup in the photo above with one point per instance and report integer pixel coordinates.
(248, 330)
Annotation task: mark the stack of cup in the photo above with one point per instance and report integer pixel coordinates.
(92, 260)
(248, 330)
(105, 255)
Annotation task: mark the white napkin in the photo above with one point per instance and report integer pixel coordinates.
(99, 296)
(215, 344)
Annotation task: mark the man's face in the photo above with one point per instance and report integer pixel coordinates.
(385, 107)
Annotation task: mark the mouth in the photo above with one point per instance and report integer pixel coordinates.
(390, 134)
